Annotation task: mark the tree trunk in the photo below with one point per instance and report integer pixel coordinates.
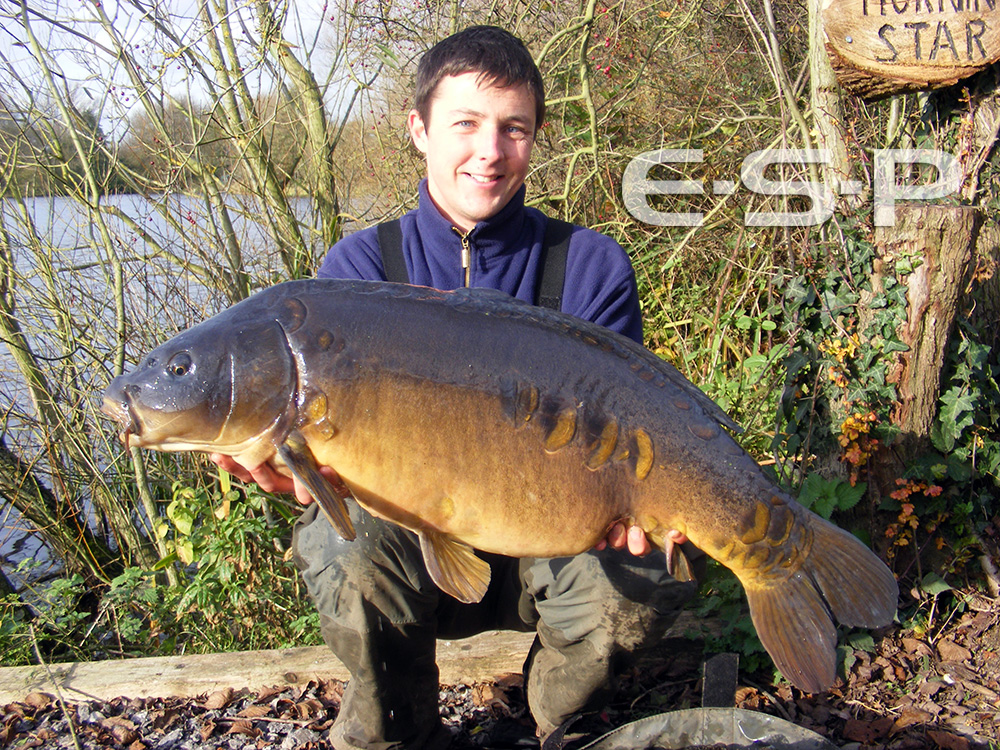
(942, 239)
(827, 106)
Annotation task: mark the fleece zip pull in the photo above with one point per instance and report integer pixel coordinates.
(466, 256)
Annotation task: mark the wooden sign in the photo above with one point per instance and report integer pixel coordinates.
(883, 47)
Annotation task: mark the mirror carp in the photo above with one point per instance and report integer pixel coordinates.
(480, 422)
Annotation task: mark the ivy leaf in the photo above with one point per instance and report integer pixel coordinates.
(956, 414)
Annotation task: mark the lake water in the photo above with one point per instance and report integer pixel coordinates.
(62, 263)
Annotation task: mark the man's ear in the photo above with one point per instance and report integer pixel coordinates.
(418, 131)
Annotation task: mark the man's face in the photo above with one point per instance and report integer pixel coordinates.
(478, 143)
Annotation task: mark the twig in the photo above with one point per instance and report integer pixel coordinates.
(273, 720)
(55, 685)
(774, 700)
(671, 683)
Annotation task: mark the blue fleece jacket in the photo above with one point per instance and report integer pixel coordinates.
(505, 254)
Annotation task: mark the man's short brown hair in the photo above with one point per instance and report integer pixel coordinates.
(499, 57)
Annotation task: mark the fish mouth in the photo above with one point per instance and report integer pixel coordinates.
(121, 411)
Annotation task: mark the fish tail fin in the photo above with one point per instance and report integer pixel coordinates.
(840, 580)
(860, 590)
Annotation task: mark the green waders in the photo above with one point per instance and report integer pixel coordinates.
(381, 615)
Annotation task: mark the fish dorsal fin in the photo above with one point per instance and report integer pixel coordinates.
(454, 567)
(300, 461)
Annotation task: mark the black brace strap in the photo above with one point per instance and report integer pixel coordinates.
(390, 244)
(555, 249)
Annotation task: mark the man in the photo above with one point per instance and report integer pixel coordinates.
(478, 106)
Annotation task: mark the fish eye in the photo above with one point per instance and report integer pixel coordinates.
(180, 364)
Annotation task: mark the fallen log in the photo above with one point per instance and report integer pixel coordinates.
(480, 658)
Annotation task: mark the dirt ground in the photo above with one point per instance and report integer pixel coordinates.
(940, 691)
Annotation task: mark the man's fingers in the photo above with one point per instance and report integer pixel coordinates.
(617, 536)
(226, 463)
(638, 543)
(302, 494)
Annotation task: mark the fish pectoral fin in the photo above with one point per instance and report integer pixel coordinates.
(302, 464)
(678, 564)
(454, 566)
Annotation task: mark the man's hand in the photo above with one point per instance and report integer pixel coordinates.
(634, 538)
(268, 479)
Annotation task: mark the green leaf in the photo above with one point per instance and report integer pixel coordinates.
(181, 517)
(824, 496)
(185, 551)
(957, 406)
(225, 481)
(934, 585)
(848, 496)
(165, 562)
(861, 641)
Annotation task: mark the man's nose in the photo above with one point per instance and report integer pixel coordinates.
(489, 145)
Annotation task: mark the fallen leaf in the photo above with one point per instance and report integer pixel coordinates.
(206, 729)
(908, 718)
(117, 721)
(254, 711)
(219, 699)
(267, 693)
(930, 687)
(947, 740)
(163, 719)
(917, 647)
(15, 709)
(950, 651)
(244, 727)
(124, 735)
(865, 732)
(511, 680)
(38, 700)
(309, 708)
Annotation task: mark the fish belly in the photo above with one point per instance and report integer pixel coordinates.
(433, 457)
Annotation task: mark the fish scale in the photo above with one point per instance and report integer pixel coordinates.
(480, 422)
